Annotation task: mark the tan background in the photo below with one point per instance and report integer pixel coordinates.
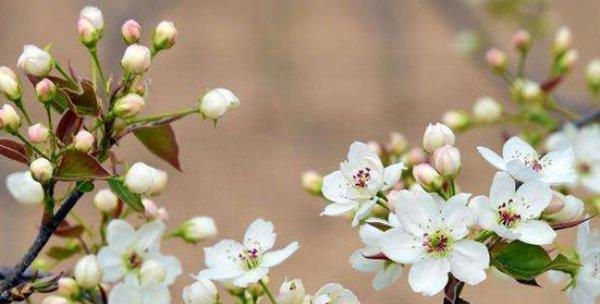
(313, 76)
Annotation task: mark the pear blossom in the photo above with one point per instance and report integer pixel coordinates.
(524, 163)
(514, 215)
(334, 293)
(587, 282)
(247, 263)
(387, 272)
(431, 236)
(129, 249)
(354, 187)
(24, 189)
(35, 61)
(217, 102)
(131, 291)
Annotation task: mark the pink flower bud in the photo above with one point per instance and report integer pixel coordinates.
(9, 119)
(10, 86)
(447, 160)
(129, 105)
(397, 143)
(150, 208)
(415, 156)
(162, 214)
(41, 170)
(437, 136)
(83, 141)
(131, 31)
(521, 40)
(496, 60)
(38, 133)
(164, 36)
(427, 177)
(136, 59)
(45, 90)
(88, 34)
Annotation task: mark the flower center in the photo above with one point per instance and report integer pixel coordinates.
(250, 258)
(584, 168)
(133, 260)
(438, 243)
(507, 216)
(534, 164)
(362, 177)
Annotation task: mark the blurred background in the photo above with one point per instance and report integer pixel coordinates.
(313, 76)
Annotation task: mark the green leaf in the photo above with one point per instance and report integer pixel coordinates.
(64, 252)
(80, 166)
(134, 201)
(521, 261)
(84, 101)
(85, 186)
(161, 141)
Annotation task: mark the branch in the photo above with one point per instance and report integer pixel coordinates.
(592, 118)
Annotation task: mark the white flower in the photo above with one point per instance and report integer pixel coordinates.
(587, 282)
(291, 292)
(143, 179)
(586, 146)
(432, 238)
(94, 16)
(249, 262)
(217, 102)
(387, 272)
(334, 293)
(514, 215)
(201, 292)
(525, 164)
(35, 61)
(354, 187)
(24, 189)
(129, 249)
(131, 291)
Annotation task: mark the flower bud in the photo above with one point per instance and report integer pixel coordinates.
(106, 201)
(198, 229)
(164, 36)
(436, 136)
(487, 110)
(88, 34)
(56, 300)
(217, 102)
(68, 288)
(160, 180)
(129, 105)
(143, 179)
(447, 161)
(566, 62)
(45, 90)
(24, 189)
(291, 292)
(203, 291)
(398, 143)
(153, 271)
(131, 31)
(531, 91)
(136, 59)
(427, 177)
(94, 16)
(87, 272)
(521, 41)
(162, 214)
(10, 86)
(564, 208)
(150, 209)
(41, 169)
(312, 181)
(592, 76)
(35, 61)
(9, 119)
(376, 147)
(562, 41)
(38, 133)
(456, 119)
(83, 141)
(496, 60)
(415, 156)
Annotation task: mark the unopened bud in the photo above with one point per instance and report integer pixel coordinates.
(496, 60)
(415, 156)
(398, 143)
(531, 91)
(152, 271)
(150, 208)
(87, 272)
(164, 36)
(35, 61)
(83, 141)
(564, 208)
(67, 287)
(94, 16)
(136, 59)
(143, 179)
(45, 90)
(56, 300)
(41, 170)
(9, 119)
(376, 147)
(447, 161)
(312, 181)
(592, 76)
(521, 41)
(291, 292)
(131, 31)
(456, 119)
(487, 110)
(562, 41)
(106, 201)
(129, 105)
(566, 62)
(10, 86)
(427, 177)
(437, 136)
(38, 133)
(88, 34)
(217, 102)
(162, 214)
(198, 229)
(160, 180)
(203, 291)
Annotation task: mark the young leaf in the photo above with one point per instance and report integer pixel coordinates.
(65, 229)
(161, 141)
(13, 150)
(133, 200)
(69, 125)
(80, 166)
(62, 253)
(85, 101)
(521, 261)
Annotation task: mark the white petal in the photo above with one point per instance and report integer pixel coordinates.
(392, 175)
(153, 293)
(429, 276)
(417, 211)
(456, 216)
(469, 259)
(221, 274)
(120, 235)
(338, 209)
(260, 235)
(370, 235)
(24, 189)
(149, 236)
(516, 148)
(485, 213)
(111, 264)
(520, 172)
(223, 255)
(492, 158)
(387, 276)
(502, 189)
(535, 232)
(251, 276)
(274, 258)
(586, 238)
(173, 266)
(124, 294)
(558, 167)
(359, 151)
(400, 246)
(363, 212)
(362, 264)
(335, 187)
(532, 198)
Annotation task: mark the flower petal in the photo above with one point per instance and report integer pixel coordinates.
(362, 264)
(335, 187)
(457, 216)
(124, 294)
(392, 175)
(417, 211)
(173, 266)
(520, 172)
(260, 235)
(401, 246)
(485, 213)
(359, 151)
(586, 239)
(154, 293)
(370, 235)
(429, 276)
(363, 211)
(111, 264)
(558, 168)
(535, 232)
(492, 158)
(532, 198)
(223, 255)
(338, 209)
(516, 148)
(274, 258)
(149, 236)
(468, 260)
(251, 276)
(502, 189)
(120, 235)
(387, 276)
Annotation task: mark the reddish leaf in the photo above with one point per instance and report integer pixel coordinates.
(550, 84)
(161, 141)
(65, 229)
(69, 125)
(565, 225)
(13, 150)
(80, 166)
(85, 101)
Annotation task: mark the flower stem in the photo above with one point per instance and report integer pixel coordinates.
(28, 143)
(64, 74)
(94, 54)
(267, 291)
(161, 116)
